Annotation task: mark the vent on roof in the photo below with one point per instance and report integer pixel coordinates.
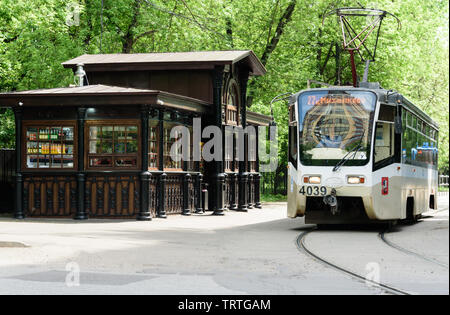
(80, 74)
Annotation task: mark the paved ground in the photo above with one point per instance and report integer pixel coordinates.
(240, 253)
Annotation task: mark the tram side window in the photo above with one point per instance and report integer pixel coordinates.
(435, 155)
(291, 113)
(408, 119)
(404, 113)
(421, 155)
(418, 149)
(410, 145)
(384, 142)
(406, 154)
(419, 145)
(293, 145)
(414, 122)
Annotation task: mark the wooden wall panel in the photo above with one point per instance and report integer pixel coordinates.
(112, 196)
(49, 196)
(192, 83)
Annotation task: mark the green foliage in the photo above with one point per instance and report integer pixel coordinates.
(7, 129)
(273, 198)
(35, 39)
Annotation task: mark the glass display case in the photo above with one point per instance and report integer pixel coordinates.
(50, 147)
(153, 145)
(172, 162)
(113, 146)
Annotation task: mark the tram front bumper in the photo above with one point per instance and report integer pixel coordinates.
(350, 200)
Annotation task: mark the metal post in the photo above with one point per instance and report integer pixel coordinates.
(161, 208)
(354, 76)
(219, 177)
(19, 211)
(198, 205)
(257, 179)
(338, 64)
(161, 140)
(233, 183)
(186, 181)
(366, 71)
(243, 175)
(144, 212)
(249, 192)
(81, 176)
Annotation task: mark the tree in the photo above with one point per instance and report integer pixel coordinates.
(287, 35)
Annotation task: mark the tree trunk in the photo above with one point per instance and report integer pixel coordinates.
(284, 20)
(129, 39)
(273, 43)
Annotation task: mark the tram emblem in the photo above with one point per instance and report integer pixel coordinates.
(385, 186)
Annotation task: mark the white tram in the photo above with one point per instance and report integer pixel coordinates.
(359, 155)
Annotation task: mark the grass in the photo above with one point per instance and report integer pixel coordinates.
(273, 198)
(443, 189)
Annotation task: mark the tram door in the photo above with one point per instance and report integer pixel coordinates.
(387, 188)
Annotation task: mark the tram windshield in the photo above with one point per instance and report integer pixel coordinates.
(333, 123)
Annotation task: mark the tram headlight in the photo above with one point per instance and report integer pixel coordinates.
(354, 180)
(315, 180)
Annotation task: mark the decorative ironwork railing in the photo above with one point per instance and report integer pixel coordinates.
(174, 194)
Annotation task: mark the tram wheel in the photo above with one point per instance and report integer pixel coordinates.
(410, 217)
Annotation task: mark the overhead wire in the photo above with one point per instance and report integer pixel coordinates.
(179, 15)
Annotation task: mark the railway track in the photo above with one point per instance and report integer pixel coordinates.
(386, 288)
(383, 238)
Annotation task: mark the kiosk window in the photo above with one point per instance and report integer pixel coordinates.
(153, 145)
(50, 147)
(113, 146)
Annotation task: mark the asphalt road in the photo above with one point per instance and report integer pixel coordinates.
(240, 253)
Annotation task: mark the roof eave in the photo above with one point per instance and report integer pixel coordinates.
(255, 65)
(153, 98)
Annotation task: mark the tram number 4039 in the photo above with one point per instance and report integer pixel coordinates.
(313, 190)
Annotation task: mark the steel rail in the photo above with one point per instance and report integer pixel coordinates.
(383, 238)
(302, 247)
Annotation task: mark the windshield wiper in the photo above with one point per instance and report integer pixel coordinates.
(354, 150)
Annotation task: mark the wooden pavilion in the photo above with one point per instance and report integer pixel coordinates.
(102, 149)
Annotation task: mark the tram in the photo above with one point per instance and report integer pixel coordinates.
(360, 154)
